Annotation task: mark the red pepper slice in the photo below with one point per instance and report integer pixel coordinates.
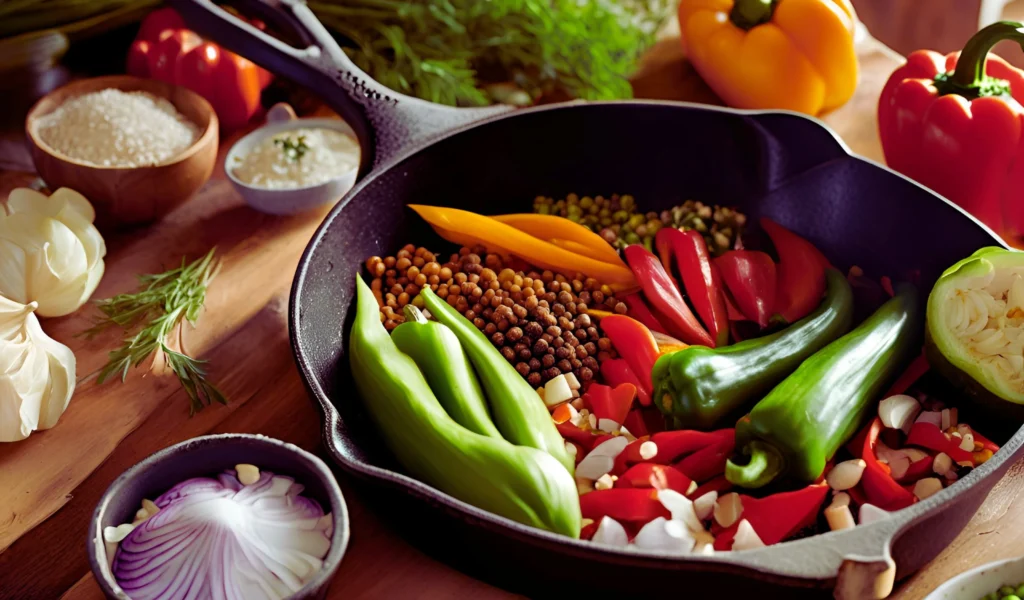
(650, 475)
(664, 296)
(617, 371)
(878, 485)
(984, 441)
(588, 531)
(630, 455)
(801, 273)
(749, 276)
(700, 278)
(623, 504)
(635, 344)
(719, 484)
(635, 423)
(639, 310)
(918, 470)
(672, 445)
(607, 402)
(777, 517)
(928, 435)
(709, 462)
(584, 439)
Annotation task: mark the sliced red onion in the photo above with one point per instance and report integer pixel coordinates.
(219, 539)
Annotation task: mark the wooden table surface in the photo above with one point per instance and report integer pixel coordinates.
(50, 483)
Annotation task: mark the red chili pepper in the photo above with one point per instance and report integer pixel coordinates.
(629, 456)
(709, 462)
(750, 277)
(777, 517)
(664, 296)
(928, 435)
(617, 371)
(984, 441)
(801, 273)
(918, 470)
(878, 485)
(588, 531)
(607, 402)
(585, 439)
(650, 475)
(731, 310)
(700, 278)
(719, 484)
(639, 310)
(672, 445)
(623, 504)
(635, 423)
(581, 452)
(635, 344)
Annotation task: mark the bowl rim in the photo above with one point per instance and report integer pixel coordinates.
(209, 134)
(970, 574)
(339, 508)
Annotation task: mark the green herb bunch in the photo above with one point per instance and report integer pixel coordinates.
(292, 148)
(163, 301)
(451, 51)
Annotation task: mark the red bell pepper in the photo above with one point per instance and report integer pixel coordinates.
(623, 504)
(616, 372)
(610, 403)
(700, 277)
(157, 22)
(749, 276)
(673, 445)
(664, 296)
(718, 484)
(800, 273)
(164, 57)
(877, 483)
(777, 517)
(709, 462)
(955, 124)
(639, 310)
(650, 475)
(635, 344)
(928, 435)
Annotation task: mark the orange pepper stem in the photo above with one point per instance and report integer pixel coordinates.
(969, 79)
(747, 14)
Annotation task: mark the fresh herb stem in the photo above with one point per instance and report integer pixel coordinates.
(292, 148)
(163, 301)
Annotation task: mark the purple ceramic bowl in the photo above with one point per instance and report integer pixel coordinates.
(208, 456)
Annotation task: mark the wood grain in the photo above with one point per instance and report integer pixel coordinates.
(49, 484)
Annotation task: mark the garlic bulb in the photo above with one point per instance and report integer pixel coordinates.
(50, 252)
(37, 374)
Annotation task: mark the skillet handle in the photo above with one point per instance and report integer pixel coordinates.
(868, 571)
(385, 122)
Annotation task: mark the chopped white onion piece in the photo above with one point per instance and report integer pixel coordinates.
(556, 391)
(930, 416)
(610, 533)
(869, 513)
(705, 505)
(604, 482)
(681, 508)
(610, 448)
(948, 418)
(899, 410)
(608, 426)
(746, 538)
(655, 535)
(570, 379)
(967, 443)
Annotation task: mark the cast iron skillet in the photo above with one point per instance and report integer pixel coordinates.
(781, 165)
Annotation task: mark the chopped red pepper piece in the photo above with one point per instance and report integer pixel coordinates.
(731, 310)
(630, 455)
(719, 484)
(801, 273)
(617, 371)
(588, 531)
(607, 402)
(650, 475)
(635, 344)
(918, 470)
(986, 443)
(749, 276)
(878, 485)
(585, 439)
(672, 445)
(777, 517)
(639, 310)
(700, 278)
(635, 423)
(709, 462)
(664, 296)
(623, 504)
(928, 435)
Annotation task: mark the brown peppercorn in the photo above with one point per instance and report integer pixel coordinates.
(621, 308)
(403, 299)
(488, 275)
(604, 344)
(540, 347)
(498, 339)
(581, 335)
(479, 323)
(565, 297)
(576, 363)
(584, 297)
(557, 342)
(525, 354)
(590, 347)
(473, 259)
(531, 303)
(554, 331)
(397, 289)
(523, 369)
(520, 346)
(558, 310)
(581, 352)
(508, 302)
(583, 321)
(515, 334)
(534, 379)
(565, 324)
(503, 325)
(548, 361)
(533, 330)
(403, 264)
(520, 311)
(508, 353)
(564, 366)
(581, 308)
(490, 329)
(598, 297)
(549, 374)
(573, 342)
(592, 334)
(486, 313)
(559, 278)
(544, 303)
(534, 364)
(590, 363)
(390, 262)
(562, 353)
(547, 337)
(585, 374)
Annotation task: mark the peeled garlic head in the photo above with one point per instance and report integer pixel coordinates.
(37, 374)
(50, 252)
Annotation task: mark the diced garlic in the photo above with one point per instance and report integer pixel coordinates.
(116, 534)
(704, 549)
(839, 517)
(611, 447)
(570, 379)
(846, 474)
(556, 391)
(705, 505)
(841, 499)
(692, 488)
(927, 487)
(681, 508)
(575, 394)
(592, 421)
(593, 467)
(869, 513)
(584, 486)
(728, 509)
(610, 533)
(140, 516)
(648, 450)
(608, 426)
(604, 482)
(950, 475)
(746, 538)
(247, 474)
(656, 536)
(571, 449)
(679, 531)
(914, 454)
(625, 432)
(967, 443)
(896, 411)
(942, 463)
(150, 507)
(930, 416)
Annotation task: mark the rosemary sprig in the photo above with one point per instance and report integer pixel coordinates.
(292, 148)
(160, 305)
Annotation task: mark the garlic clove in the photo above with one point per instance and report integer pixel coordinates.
(61, 367)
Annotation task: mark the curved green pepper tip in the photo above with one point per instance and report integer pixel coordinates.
(765, 464)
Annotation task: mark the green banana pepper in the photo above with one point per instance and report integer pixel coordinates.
(523, 484)
(800, 424)
(518, 410)
(698, 387)
(437, 352)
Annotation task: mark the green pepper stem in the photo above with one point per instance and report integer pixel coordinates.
(765, 464)
(969, 78)
(747, 14)
(413, 314)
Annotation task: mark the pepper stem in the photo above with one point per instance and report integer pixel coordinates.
(764, 465)
(969, 79)
(747, 14)
(413, 314)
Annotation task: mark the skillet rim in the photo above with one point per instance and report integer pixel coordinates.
(869, 542)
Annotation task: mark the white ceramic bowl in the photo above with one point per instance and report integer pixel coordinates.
(281, 118)
(976, 583)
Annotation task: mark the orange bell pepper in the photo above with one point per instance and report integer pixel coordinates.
(779, 54)
(563, 233)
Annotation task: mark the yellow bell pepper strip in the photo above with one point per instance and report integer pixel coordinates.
(779, 54)
(563, 233)
(460, 226)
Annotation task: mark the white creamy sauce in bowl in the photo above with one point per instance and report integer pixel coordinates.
(297, 158)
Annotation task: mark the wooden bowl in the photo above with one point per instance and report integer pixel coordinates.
(126, 196)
